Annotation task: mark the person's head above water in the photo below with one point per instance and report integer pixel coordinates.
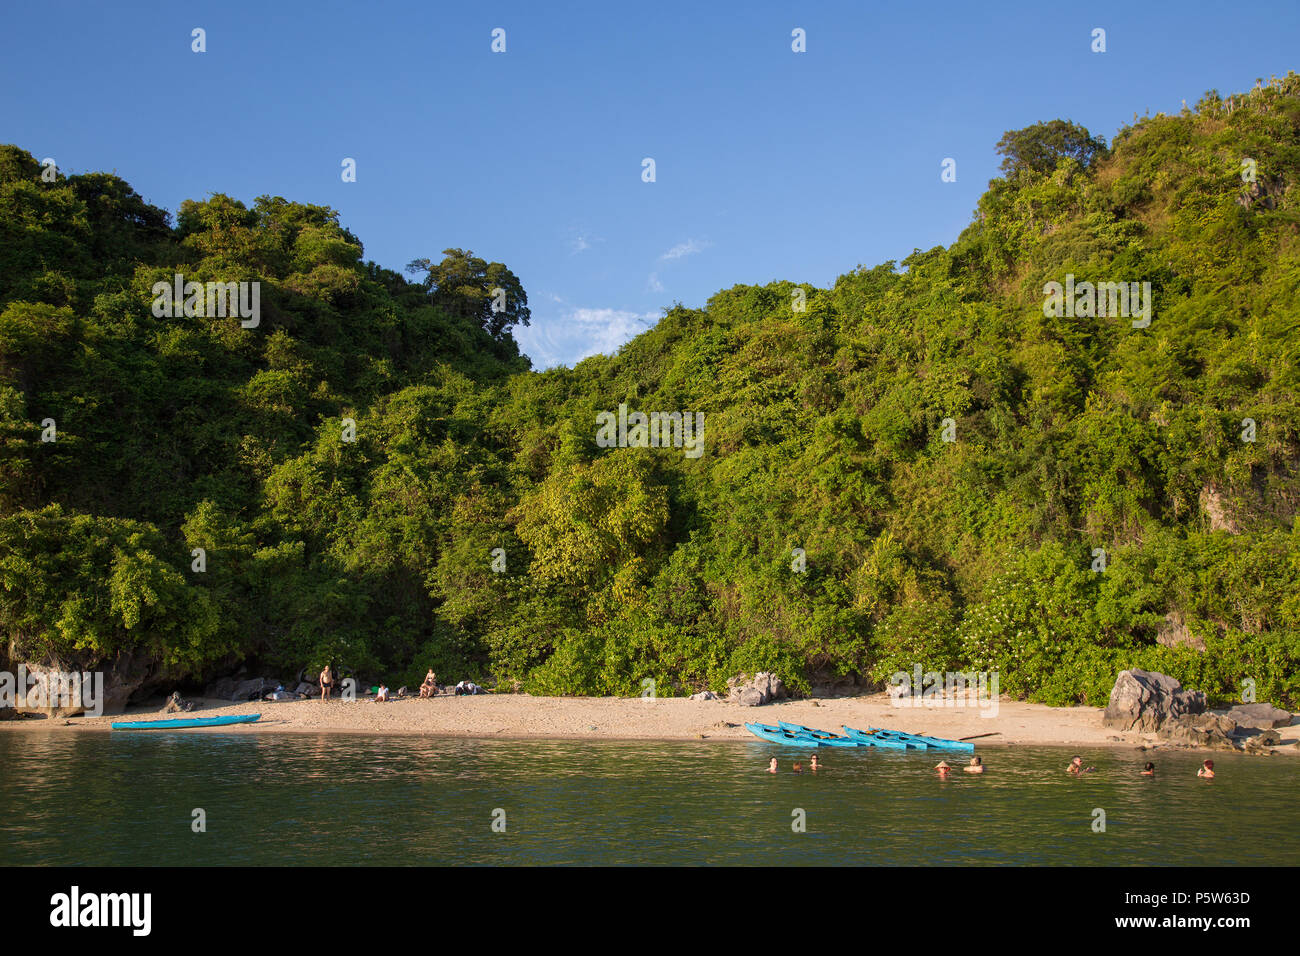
(976, 761)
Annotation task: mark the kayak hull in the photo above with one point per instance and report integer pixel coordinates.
(875, 740)
(934, 743)
(776, 735)
(825, 738)
(186, 723)
(913, 741)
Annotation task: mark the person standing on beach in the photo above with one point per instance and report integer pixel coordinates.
(1207, 769)
(326, 682)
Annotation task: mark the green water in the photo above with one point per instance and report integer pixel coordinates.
(313, 800)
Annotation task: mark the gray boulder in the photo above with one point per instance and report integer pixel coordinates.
(1203, 731)
(1145, 701)
(762, 689)
(1262, 742)
(1260, 716)
(704, 695)
(177, 704)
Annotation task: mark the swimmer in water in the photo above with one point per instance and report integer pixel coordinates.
(944, 769)
(1207, 769)
(815, 765)
(1077, 767)
(1149, 770)
(771, 768)
(976, 765)
(798, 768)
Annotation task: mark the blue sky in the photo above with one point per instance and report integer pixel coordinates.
(770, 164)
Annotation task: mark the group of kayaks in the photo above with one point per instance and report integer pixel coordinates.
(797, 736)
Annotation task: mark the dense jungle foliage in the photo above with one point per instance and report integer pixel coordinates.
(917, 467)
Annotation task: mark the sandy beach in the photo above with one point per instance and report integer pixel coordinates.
(616, 718)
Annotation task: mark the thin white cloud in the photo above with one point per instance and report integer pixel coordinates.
(582, 242)
(687, 248)
(580, 333)
(653, 284)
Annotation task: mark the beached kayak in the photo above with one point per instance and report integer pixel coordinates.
(896, 738)
(933, 743)
(185, 723)
(778, 736)
(826, 738)
(874, 740)
(908, 741)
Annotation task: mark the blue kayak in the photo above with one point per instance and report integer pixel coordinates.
(933, 743)
(876, 740)
(825, 738)
(184, 723)
(778, 736)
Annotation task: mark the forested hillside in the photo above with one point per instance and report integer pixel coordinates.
(917, 465)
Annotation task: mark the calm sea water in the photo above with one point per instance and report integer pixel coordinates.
(340, 800)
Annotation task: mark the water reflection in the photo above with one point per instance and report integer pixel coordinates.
(315, 799)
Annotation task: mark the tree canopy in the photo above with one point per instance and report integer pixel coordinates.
(918, 466)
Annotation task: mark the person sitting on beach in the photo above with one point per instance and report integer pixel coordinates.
(326, 682)
(1149, 770)
(1207, 769)
(430, 685)
(1077, 767)
(382, 695)
(771, 768)
(976, 765)
(944, 769)
(468, 687)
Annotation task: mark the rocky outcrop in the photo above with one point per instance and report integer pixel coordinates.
(1260, 716)
(1175, 633)
(704, 695)
(1205, 731)
(763, 689)
(48, 691)
(1262, 742)
(113, 683)
(177, 704)
(1145, 700)
(1217, 507)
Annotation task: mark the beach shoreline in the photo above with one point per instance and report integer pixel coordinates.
(520, 716)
